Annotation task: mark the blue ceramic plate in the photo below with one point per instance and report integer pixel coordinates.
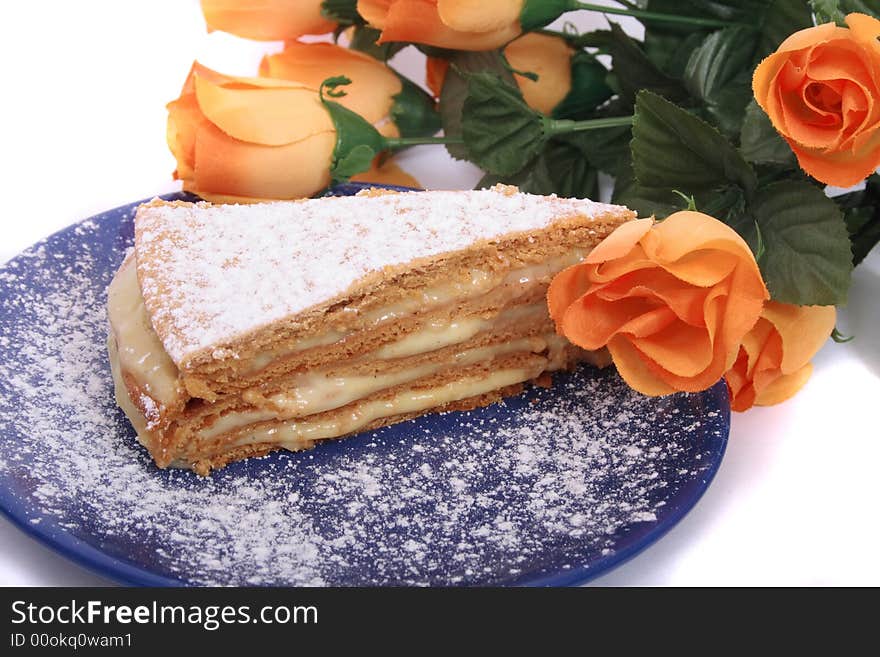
(551, 487)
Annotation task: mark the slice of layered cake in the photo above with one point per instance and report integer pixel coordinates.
(240, 329)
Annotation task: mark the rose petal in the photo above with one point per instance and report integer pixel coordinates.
(703, 268)
(387, 173)
(184, 118)
(549, 57)
(591, 322)
(844, 168)
(566, 287)
(803, 329)
(742, 392)
(808, 37)
(686, 231)
(683, 299)
(784, 387)
(620, 241)
(224, 165)
(479, 15)
(418, 21)
(635, 369)
(374, 11)
(753, 344)
(267, 116)
(435, 74)
(373, 85)
(680, 349)
(266, 20)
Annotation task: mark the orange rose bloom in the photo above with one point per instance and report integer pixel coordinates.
(454, 24)
(671, 301)
(550, 58)
(547, 56)
(821, 90)
(251, 139)
(774, 359)
(266, 20)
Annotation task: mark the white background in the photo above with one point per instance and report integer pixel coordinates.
(83, 130)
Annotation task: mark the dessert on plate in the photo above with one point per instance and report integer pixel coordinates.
(236, 330)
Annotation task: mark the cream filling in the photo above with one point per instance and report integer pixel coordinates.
(438, 334)
(138, 421)
(140, 352)
(315, 393)
(143, 357)
(479, 282)
(301, 434)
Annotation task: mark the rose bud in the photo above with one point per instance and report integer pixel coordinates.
(774, 359)
(821, 90)
(250, 139)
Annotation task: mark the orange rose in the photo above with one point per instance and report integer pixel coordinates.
(547, 56)
(671, 301)
(774, 359)
(550, 58)
(821, 90)
(373, 85)
(250, 139)
(454, 24)
(266, 20)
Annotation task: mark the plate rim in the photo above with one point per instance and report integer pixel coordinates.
(122, 571)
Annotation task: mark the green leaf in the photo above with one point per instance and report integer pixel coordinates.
(646, 201)
(455, 89)
(727, 108)
(671, 52)
(357, 141)
(861, 211)
(538, 13)
(501, 132)
(719, 74)
(759, 141)
(606, 149)
(720, 57)
(834, 11)
(673, 149)
(588, 88)
(781, 19)
(733, 11)
(807, 259)
(634, 71)
(343, 12)
(558, 169)
(364, 40)
(414, 112)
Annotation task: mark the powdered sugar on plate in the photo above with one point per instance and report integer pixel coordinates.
(552, 482)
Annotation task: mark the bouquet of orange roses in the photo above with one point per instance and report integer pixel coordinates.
(725, 124)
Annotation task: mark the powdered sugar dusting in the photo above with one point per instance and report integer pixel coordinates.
(540, 484)
(224, 270)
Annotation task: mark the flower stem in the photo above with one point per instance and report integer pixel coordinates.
(651, 15)
(401, 142)
(554, 127)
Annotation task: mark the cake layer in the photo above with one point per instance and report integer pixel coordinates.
(218, 280)
(228, 454)
(427, 394)
(318, 391)
(400, 330)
